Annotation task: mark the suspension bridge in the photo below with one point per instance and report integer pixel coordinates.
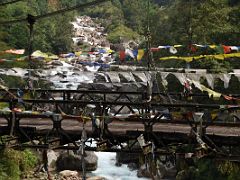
(54, 118)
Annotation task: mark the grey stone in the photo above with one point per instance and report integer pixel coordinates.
(56, 63)
(133, 166)
(127, 158)
(67, 174)
(101, 77)
(103, 86)
(113, 76)
(126, 77)
(73, 162)
(85, 86)
(140, 77)
(52, 158)
(129, 87)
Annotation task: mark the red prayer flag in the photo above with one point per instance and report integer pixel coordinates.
(226, 49)
(122, 55)
(155, 49)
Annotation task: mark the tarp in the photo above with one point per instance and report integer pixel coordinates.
(39, 54)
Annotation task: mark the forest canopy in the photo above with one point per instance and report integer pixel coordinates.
(171, 22)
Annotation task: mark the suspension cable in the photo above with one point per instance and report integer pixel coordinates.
(10, 2)
(80, 6)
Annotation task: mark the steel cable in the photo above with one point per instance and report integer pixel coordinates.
(79, 6)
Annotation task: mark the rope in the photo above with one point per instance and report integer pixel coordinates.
(80, 6)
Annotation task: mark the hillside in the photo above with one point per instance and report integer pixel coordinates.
(171, 22)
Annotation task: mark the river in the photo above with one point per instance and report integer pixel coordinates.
(107, 169)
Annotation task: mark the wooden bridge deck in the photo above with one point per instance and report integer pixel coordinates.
(121, 127)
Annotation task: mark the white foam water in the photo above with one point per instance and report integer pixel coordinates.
(107, 169)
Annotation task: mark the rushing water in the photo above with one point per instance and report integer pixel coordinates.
(107, 169)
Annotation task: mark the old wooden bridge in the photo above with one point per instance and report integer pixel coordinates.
(116, 121)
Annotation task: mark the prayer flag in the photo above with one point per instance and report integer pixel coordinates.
(122, 55)
(226, 49)
(140, 54)
(15, 51)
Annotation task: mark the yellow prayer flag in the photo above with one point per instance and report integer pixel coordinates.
(140, 54)
(177, 46)
(210, 92)
(110, 51)
(191, 58)
(212, 46)
(78, 53)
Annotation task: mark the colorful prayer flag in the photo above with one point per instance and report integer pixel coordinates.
(140, 54)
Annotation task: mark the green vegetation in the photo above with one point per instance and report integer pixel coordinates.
(10, 64)
(14, 164)
(50, 35)
(210, 169)
(171, 22)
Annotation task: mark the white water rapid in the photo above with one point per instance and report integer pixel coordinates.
(107, 169)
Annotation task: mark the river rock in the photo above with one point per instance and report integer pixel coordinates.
(52, 158)
(127, 68)
(61, 75)
(126, 77)
(130, 87)
(73, 162)
(140, 77)
(133, 166)
(143, 172)
(103, 86)
(100, 78)
(114, 77)
(69, 175)
(127, 158)
(85, 86)
(56, 63)
(96, 178)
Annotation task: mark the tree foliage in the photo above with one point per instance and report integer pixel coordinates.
(171, 22)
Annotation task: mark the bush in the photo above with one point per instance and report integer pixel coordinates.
(14, 163)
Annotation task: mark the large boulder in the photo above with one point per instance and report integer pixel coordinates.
(114, 77)
(103, 86)
(52, 157)
(130, 87)
(100, 78)
(127, 158)
(56, 63)
(126, 77)
(73, 162)
(85, 86)
(140, 77)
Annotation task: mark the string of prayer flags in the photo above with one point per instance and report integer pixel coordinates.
(191, 58)
(173, 50)
(131, 54)
(193, 47)
(155, 49)
(15, 51)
